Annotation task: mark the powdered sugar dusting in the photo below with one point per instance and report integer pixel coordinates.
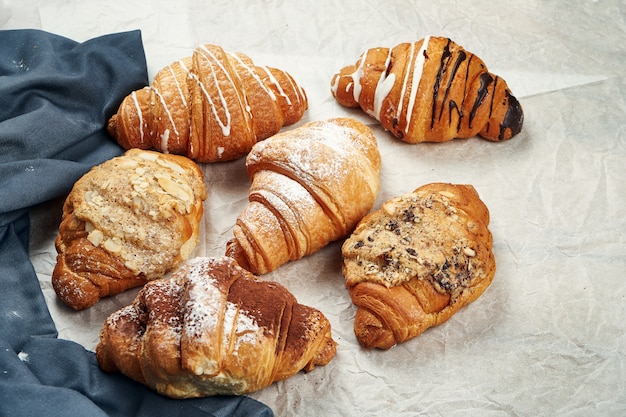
(209, 317)
(239, 329)
(204, 302)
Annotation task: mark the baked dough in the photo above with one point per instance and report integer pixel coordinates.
(416, 261)
(212, 328)
(432, 90)
(212, 106)
(310, 186)
(127, 221)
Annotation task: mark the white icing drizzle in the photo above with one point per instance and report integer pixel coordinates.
(166, 108)
(139, 114)
(384, 86)
(405, 82)
(255, 76)
(356, 77)
(274, 81)
(335, 85)
(180, 90)
(210, 58)
(296, 88)
(417, 76)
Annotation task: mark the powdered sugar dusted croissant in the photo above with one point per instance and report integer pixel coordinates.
(212, 106)
(128, 220)
(310, 186)
(213, 328)
(431, 90)
(416, 261)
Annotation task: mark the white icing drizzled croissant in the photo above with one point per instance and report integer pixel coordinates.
(212, 106)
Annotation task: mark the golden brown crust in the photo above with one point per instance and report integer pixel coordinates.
(129, 220)
(212, 328)
(212, 106)
(310, 186)
(431, 90)
(416, 261)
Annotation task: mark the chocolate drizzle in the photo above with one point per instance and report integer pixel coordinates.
(452, 104)
(485, 81)
(513, 119)
(445, 58)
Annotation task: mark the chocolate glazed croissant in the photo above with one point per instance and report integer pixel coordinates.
(212, 106)
(213, 328)
(416, 261)
(430, 91)
(129, 220)
(310, 186)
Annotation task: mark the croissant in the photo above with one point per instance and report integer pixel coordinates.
(129, 220)
(310, 186)
(416, 261)
(430, 91)
(212, 106)
(213, 328)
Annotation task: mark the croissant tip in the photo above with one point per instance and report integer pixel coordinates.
(111, 126)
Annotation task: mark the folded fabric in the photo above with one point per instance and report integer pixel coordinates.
(55, 98)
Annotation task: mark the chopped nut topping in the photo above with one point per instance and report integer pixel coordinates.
(469, 252)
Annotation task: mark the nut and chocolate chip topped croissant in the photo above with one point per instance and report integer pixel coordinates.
(431, 90)
(128, 220)
(212, 106)
(416, 261)
(310, 186)
(213, 328)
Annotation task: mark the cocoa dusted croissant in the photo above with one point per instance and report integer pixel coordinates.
(430, 91)
(310, 186)
(212, 328)
(128, 220)
(416, 261)
(212, 106)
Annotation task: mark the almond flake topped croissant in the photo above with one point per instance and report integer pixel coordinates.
(431, 90)
(213, 328)
(128, 220)
(212, 106)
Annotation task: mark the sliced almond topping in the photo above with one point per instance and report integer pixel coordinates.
(95, 237)
(148, 156)
(169, 185)
(171, 165)
(126, 163)
(113, 245)
(89, 227)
